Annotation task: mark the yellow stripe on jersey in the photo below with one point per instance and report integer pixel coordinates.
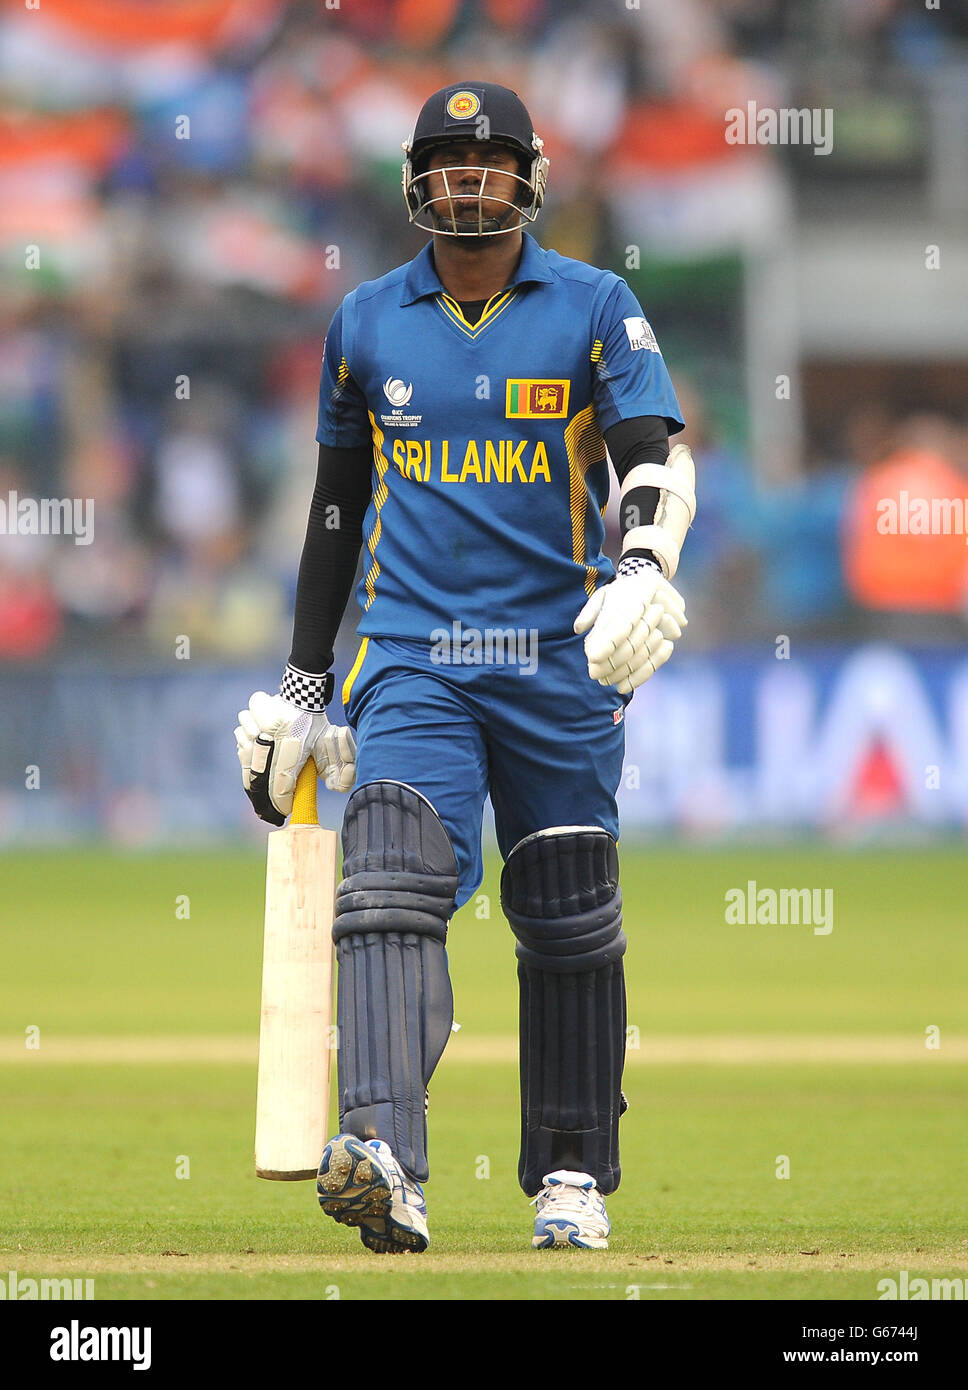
(354, 671)
(584, 446)
(380, 495)
(597, 349)
(343, 374)
(492, 309)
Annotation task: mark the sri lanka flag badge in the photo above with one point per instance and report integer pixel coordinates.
(528, 398)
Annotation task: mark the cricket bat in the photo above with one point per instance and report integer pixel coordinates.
(295, 1034)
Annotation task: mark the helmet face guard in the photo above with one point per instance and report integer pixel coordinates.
(439, 214)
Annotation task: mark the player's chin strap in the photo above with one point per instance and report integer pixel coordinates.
(395, 1006)
(560, 893)
(676, 481)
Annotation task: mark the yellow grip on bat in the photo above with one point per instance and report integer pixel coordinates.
(304, 800)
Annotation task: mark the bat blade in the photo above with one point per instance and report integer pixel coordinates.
(292, 1108)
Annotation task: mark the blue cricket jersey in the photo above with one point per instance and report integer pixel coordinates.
(490, 477)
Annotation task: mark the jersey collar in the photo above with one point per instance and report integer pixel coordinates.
(422, 278)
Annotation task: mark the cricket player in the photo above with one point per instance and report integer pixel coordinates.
(466, 402)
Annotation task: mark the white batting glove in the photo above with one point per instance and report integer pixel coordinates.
(275, 740)
(632, 626)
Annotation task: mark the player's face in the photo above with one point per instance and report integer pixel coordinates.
(465, 161)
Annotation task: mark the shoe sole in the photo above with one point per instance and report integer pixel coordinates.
(354, 1191)
(561, 1235)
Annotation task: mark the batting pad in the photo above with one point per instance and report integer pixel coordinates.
(395, 1006)
(560, 893)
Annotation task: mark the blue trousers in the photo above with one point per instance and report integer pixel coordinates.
(541, 737)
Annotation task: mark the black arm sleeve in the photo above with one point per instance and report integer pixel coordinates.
(644, 439)
(327, 569)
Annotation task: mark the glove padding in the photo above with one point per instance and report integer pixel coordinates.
(275, 741)
(631, 625)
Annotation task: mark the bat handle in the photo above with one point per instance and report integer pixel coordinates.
(304, 800)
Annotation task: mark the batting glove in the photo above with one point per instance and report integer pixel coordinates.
(632, 625)
(275, 740)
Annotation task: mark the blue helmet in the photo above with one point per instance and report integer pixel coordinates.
(473, 111)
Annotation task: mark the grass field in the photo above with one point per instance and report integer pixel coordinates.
(749, 1044)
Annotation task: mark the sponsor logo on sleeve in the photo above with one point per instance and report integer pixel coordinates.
(640, 335)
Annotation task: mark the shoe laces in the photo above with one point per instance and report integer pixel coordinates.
(570, 1196)
(411, 1191)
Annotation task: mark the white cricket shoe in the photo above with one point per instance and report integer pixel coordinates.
(571, 1211)
(362, 1184)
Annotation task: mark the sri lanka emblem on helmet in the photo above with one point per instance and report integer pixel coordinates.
(463, 105)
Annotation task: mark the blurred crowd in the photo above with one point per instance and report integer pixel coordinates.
(187, 190)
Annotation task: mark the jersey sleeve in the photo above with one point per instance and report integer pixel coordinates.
(343, 421)
(629, 376)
